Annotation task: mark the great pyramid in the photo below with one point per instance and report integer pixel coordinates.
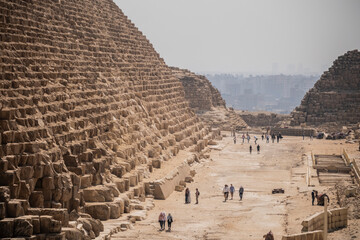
(335, 97)
(87, 110)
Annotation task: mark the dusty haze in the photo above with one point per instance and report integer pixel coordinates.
(258, 37)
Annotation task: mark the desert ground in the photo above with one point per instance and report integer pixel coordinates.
(278, 165)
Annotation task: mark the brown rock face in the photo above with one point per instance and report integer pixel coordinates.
(202, 96)
(85, 100)
(335, 97)
(207, 102)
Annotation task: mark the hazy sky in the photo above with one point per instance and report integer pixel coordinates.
(249, 36)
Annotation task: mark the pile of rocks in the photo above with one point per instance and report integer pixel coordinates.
(87, 110)
(335, 98)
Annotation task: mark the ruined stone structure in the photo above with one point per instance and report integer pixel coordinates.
(207, 102)
(87, 109)
(335, 98)
(263, 119)
(201, 95)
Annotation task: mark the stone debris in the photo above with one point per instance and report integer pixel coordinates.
(277, 190)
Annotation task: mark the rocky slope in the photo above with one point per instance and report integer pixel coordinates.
(335, 98)
(87, 109)
(201, 95)
(207, 102)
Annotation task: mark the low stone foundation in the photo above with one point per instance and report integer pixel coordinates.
(337, 218)
(316, 235)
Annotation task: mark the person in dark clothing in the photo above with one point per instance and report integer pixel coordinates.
(250, 149)
(273, 137)
(313, 196)
(197, 194)
(262, 137)
(241, 192)
(169, 220)
(187, 195)
(258, 148)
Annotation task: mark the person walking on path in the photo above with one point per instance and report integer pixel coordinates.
(226, 192)
(277, 138)
(262, 137)
(273, 137)
(243, 138)
(313, 197)
(241, 192)
(255, 139)
(258, 148)
(232, 190)
(248, 137)
(187, 195)
(250, 149)
(197, 194)
(267, 138)
(169, 220)
(162, 219)
(234, 140)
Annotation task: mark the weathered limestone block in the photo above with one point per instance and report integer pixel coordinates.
(120, 184)
(115, 210)
(59, 214)
(6, 228)
(4, 194)
(14, 209)
(165, 186)
(45, 223)
(98, 210)
(156, 163)
(72, 233)
(98, 194)
(22, 227)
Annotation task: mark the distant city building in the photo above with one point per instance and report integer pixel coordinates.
(276, 93)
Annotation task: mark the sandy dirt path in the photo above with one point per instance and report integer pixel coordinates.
(259, 212)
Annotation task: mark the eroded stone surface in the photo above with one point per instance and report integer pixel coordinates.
(335, 97)
(87, 109)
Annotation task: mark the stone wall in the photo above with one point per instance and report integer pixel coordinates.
(335, 97)
(263, 119)
(87, 109)
(315, 235)
(200, 93)
(337, 218)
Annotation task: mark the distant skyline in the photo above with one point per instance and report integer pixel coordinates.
(250, 37)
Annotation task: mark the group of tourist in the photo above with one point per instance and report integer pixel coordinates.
(231, 190)
(163, 219)
(263, 136)
(246, 136)
(188, 197)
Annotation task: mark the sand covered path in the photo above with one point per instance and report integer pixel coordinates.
(258, 212)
